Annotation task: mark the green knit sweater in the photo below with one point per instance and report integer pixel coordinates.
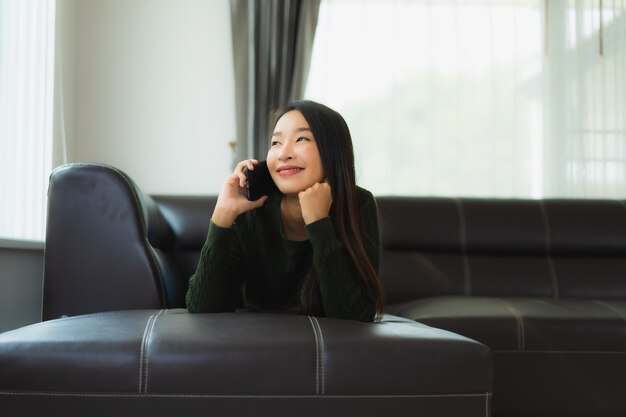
(252, 264)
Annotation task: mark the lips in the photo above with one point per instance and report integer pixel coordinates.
(288, 170)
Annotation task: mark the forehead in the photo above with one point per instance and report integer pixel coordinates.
(292, 120)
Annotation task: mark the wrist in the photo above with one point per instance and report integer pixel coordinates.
(223, 217)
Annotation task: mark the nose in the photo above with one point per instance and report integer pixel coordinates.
(285, 153)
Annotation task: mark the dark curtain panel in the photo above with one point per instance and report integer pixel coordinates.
(272, 46)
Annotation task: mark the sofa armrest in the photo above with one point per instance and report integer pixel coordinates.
(98, 254)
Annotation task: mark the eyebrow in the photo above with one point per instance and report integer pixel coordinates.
(299, 129)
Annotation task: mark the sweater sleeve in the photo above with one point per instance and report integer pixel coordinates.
(216, 286)
(344, 295)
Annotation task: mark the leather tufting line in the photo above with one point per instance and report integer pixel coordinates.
(546, 223)
(143, 356)
(521, 342)
(319, 356)
(467, 276)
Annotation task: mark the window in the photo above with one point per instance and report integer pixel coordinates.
(26, 98)
(514, 98)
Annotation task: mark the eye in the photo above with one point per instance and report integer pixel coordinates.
(301, 139)
(274, 143)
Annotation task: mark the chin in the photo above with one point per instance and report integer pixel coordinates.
(292, 188)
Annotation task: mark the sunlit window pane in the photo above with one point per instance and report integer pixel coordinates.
(26, 98)
(514, 98)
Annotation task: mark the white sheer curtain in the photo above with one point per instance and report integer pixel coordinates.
(26, 96)
(507, 98)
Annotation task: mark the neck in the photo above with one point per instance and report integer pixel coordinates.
(291, 217)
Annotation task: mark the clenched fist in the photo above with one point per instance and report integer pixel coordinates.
(315, 202)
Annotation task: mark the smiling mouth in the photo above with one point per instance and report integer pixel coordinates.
(289, 171)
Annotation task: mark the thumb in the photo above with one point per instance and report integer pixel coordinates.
(258, 203)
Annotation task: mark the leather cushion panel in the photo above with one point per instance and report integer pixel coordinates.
(410, 275)
(486, 320)
(239, 353)
(95, 353)
(474, 225)
(490, 223)
(559, 384)
(569, 325)
(524, 323)
(407, 275)
(591, 277)
(506, 275)
(96, 245)
(316, 356)
(586, 226)
(436, 219)
(36, 405)
(388, 358)
(189, 219)
(619, 306)
(232, 353)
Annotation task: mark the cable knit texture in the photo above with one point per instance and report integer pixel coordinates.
(252, 261)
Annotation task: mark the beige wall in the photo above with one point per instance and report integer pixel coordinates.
(148, 88)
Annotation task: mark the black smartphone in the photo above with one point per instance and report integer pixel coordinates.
(259, 182)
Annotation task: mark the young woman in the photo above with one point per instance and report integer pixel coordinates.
(312, 248)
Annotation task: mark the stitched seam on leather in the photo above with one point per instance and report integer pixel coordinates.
(467, 277)
(317, 357)
(143, 351)
(521, 343)
(319, 329)
(612, 308)
(260, 396)
(147, 356)
(546, 224)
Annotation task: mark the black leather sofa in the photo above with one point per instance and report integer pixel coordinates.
(116, 340)
(542, 283)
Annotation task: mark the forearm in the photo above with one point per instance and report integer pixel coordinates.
(344, 294)
(216, 284)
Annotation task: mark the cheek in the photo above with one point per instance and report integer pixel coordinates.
(271, 163)
(313, 156)
(270, 158)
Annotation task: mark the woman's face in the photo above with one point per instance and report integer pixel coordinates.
(293, 159)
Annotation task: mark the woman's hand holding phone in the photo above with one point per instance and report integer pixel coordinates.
(315, 202)
(232, 201)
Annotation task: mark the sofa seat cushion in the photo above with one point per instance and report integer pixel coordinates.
(172, 354)
(551, 357)
(526, 324)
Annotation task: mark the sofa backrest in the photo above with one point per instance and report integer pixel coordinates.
(97, 254)
(502, 247)
(109, 246)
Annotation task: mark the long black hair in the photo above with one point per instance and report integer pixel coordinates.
(334, 143)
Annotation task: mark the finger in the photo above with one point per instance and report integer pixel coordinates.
(250, 163)
(242, 179)
(246, 163)
(258, 203)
